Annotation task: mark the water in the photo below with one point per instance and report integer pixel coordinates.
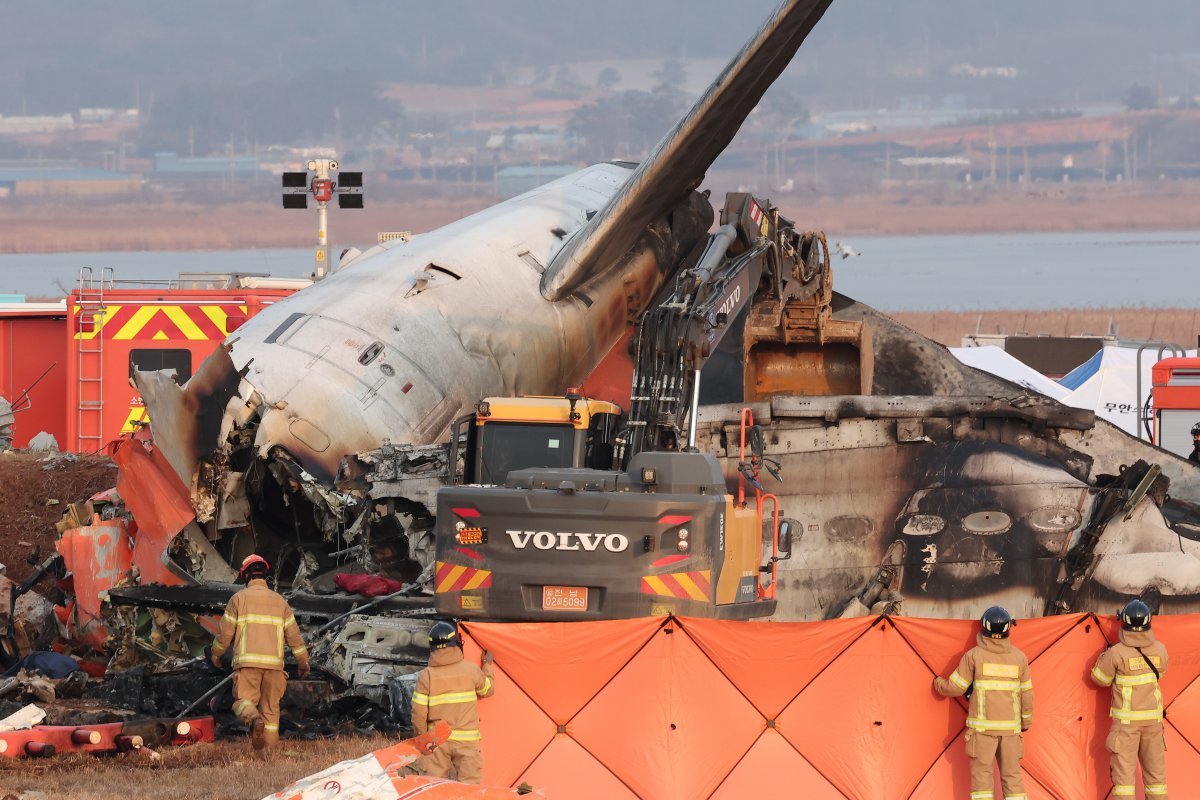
(1022, 270)
(894, 273)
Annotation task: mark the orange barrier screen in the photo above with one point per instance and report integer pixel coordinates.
(679, 709)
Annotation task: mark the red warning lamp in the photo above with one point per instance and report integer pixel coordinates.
(322, 189)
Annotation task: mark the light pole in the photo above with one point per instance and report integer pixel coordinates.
(297, 187)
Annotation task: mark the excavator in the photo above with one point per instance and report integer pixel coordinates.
(655, 531)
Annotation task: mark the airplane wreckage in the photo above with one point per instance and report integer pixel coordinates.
(320, 433)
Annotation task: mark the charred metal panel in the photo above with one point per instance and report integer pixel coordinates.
(983, 509)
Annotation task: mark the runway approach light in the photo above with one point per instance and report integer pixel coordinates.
(297, 186)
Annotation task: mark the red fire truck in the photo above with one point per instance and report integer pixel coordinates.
(65, 367)
(1176, 403)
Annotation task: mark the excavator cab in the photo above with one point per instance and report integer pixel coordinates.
(514, 433)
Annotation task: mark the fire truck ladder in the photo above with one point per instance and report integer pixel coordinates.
(89, 354)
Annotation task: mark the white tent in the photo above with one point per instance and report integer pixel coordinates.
(1107, 384)
(994, 360)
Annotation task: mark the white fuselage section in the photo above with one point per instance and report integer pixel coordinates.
(402, 339)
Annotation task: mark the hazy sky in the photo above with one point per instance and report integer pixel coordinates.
(865, 53)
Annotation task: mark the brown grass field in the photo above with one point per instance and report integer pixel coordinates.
(227, 770)
(44, 226)
(1178, 325)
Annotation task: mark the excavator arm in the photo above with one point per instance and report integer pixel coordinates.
(755, 258)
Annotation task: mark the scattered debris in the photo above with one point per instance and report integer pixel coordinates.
(24, 719)
(132, 737)
(393, 772)
(6, 424)
(43, 443)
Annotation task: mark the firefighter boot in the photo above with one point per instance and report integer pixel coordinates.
(258, 733)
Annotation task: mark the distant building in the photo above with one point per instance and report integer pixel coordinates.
(515, 180)
(36, 182)
(16, 126)
(172, 166)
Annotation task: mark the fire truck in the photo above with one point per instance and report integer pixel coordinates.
(1175, 403)
(67, 365)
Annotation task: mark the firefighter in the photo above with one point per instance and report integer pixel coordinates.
(1133, 668)
(448, 690)
(257, 622)
(1195, 454)
(995, 675)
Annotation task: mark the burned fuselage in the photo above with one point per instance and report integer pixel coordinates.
(948, 490)
(392, 347)
(937, 484)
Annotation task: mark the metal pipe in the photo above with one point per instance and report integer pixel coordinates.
(205, 696)
(322, 249)
(714, 254)
(1139, 408)
(355, 610)
(85, 736)
(691, 445)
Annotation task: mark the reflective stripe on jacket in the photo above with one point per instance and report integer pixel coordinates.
(447, 690)
(1002, 697)
(1136, 697)
(257, 623)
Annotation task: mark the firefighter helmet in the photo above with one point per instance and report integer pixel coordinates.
(1135, 616)
(442, 635)
(254, 566)
(995, 623)
(1196, 429)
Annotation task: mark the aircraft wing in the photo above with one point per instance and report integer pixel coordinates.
(679, 161)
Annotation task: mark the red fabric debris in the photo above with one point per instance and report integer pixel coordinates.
(366, 585)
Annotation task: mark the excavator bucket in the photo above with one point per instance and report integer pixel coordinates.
(798, 348)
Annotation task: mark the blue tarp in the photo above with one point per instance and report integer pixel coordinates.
(1078, 376)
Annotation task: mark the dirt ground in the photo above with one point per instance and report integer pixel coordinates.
(28, 484)
(228, 770)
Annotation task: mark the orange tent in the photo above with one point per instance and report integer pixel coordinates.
(668, 709)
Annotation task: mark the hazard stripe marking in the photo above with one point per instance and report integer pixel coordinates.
(652, 585)
(478, 578)
(451, 576)
(460, 580)
(689, 586)
(683, 585)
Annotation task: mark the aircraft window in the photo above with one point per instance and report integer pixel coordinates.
(924, 525)
(180, 361)
(510, 446)
(444, 271)
(987, 523)
(849, 529)
(371, 353)
(1054, 519)
(529, 259)
(283, 326)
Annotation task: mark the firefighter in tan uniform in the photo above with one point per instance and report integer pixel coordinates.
(257, 622)
(1133, 667)
(448, 690)
(1001, 706)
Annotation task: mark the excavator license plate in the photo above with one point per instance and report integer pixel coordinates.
(564, 598)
